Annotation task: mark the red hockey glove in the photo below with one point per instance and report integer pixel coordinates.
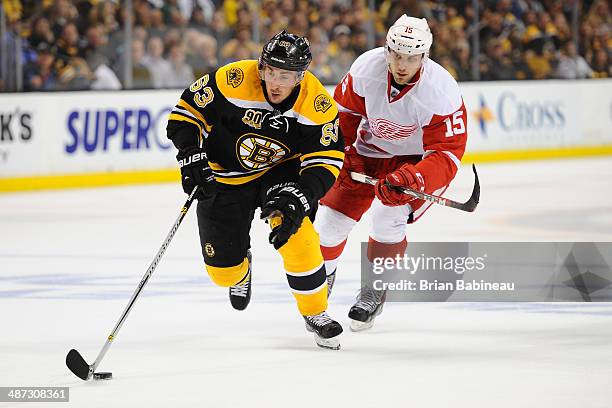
(353, 161)
(406, 176)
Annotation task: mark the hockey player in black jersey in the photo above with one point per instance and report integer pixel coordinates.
(262, 134)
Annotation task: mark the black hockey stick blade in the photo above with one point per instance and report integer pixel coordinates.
(77, 364)
(471, 204)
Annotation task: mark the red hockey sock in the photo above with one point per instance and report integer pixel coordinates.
(331, 253)
(381, 250)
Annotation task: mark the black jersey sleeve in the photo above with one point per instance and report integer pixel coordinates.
(322, 153)
(194, 115)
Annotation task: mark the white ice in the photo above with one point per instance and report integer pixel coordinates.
(70, 260)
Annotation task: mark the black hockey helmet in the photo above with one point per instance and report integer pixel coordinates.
(287, 51)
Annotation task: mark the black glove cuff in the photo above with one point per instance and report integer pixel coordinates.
(192, 157)
(294, 190)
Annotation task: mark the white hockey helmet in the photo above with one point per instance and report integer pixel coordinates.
(409, 35)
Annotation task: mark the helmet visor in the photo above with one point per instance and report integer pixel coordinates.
(276, 76)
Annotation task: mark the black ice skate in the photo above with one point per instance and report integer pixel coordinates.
(326, 330)
(331, 278)
(369, 305)
(240, 294)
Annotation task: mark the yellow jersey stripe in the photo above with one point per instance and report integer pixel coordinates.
(215, 166)
(195, 113)
(181, 118)
(324, 153)
(239, 180)
(332, 169)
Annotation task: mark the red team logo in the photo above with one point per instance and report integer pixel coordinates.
(386, 129)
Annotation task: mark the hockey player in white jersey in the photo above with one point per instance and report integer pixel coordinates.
(404, 122)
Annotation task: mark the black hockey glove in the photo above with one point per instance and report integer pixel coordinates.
(195, 171)
(293, 204)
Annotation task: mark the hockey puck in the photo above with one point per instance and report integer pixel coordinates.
(103, 376)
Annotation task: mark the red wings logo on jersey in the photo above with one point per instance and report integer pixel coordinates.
(385, 129)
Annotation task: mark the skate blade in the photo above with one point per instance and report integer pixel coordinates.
(358, 326)
(330, 344)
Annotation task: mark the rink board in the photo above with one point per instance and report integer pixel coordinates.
(60, 140)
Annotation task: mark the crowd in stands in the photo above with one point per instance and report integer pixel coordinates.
(81, 44)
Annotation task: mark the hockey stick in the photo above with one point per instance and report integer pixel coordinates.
(469, 205)
(75, 362)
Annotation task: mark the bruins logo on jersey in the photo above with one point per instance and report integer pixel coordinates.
(234, 77)
(322, 103)
(256, 152)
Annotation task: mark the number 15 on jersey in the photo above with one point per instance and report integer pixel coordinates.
(455, 126)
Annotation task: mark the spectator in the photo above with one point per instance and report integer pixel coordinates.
(443, 41)
(172, 37)
(104, 78)
(454, 20)
(60, 13)
(462, 61)
(601, 65)
(519, 39)
(41, 75)
(161, 71)
(571, 65)
(181, 73)
(141, 76)
(142, 14)
(321, 68)
(540, 62)
(243, 41)
(97, 51)
(75, 75)
(69, 45)
(340, 52)
(203, 58)
(359, 41)
(318, 40)
(500, 64)
(199, 22)
(218, 28)
(157, 27)
(41, 32)
(205, 8)
(298, 24)
(244, 18)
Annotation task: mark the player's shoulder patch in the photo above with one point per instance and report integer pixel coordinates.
(322, 103)
(234, 76)
(314, 105)
(240, 81)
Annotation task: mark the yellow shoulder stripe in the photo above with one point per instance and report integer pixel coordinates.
(314, 102)
(240, 80)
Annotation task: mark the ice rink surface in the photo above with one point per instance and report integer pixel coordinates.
(70, 260)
